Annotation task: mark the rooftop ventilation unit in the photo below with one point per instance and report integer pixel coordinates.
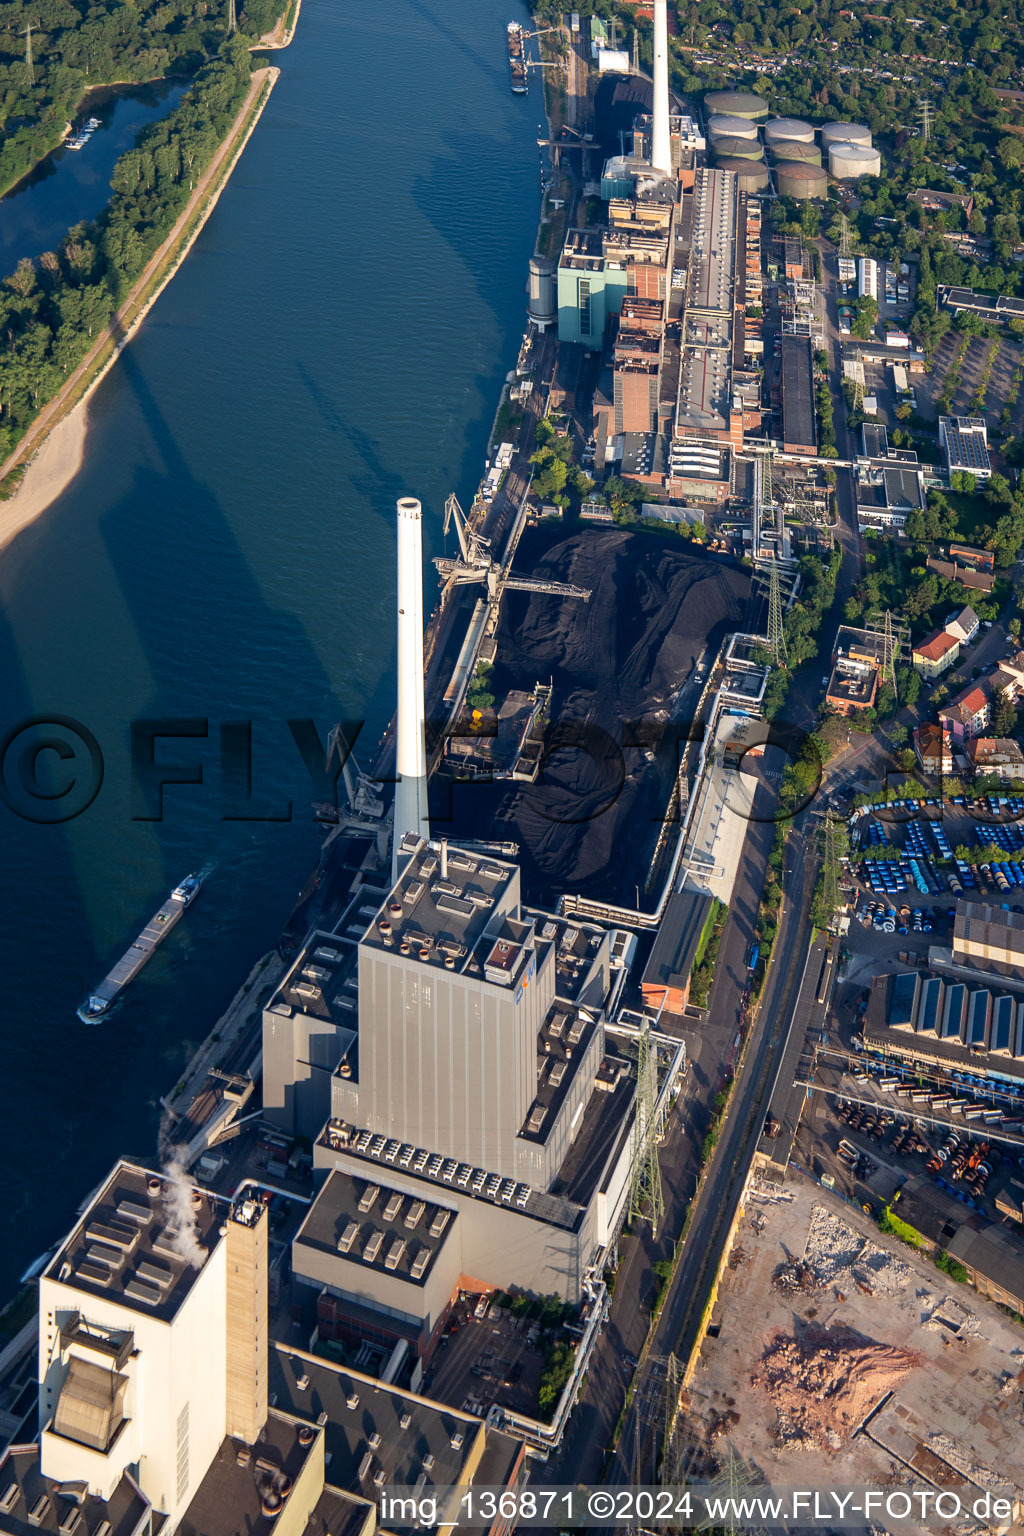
(375, 1439)
(365, 1466)
(39, 1511)
(369, 1198)
(373, 1247)
(392, 1208)
(348, 1237)
(405, 1420)
(395, 1252)
(457, 1440)
(71, 1521)
(352, 1401)
(428, 1462)
(419, 1264)
(414, 1214)
(439, 1222)
(9, 1498)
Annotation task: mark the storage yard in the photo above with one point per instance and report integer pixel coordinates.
(627, 657)
(867, 1365)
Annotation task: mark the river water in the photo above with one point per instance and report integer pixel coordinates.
(337, 337)
(74, 184)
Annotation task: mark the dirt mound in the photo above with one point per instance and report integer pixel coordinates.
(824, 1381)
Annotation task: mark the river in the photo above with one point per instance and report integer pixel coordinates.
(338, 336)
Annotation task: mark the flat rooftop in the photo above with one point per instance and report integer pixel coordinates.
(39, 1506)
(371, 1428)
(675, 944)
(245, 1496)
(366, 1222)
(322, 982)
(798, 424)
(437, 915)
(130, 1247)
(431, 1171)
(562, 1045)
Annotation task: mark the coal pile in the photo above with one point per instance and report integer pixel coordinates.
(617, 664)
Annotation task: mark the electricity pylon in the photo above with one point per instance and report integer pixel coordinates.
(890, 651)
(926, 117)
(30, 68)
(232, 18)
(833, 837)
(671, 1458)
(646, 1198)
(776, 628)
(845, 238)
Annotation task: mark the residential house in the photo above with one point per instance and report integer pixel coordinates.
(935, 655)
(967, 576)
(1008, 677)
(968, 714)
(964, 626)
(996, 754)
(934, 749)
(976, 559)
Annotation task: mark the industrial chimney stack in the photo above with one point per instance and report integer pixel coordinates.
(411, 755)
(661, 148)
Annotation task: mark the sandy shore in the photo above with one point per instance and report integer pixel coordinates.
(51, 471)
(56, 439)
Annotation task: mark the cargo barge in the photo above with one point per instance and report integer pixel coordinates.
(135, 957)
(517, 58)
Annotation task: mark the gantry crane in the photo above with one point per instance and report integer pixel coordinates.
(476, 564)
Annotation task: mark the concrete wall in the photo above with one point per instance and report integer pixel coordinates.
(495, 1244)
(446, 1061)
(176, 1382)
(299, 1056)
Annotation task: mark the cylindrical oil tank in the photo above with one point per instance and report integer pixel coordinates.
(803, 181)
(788, 128)
(739, 103)
(751, 175)
(738, 127)
(733, 148)
(848, 161)
(796, 149)
(845, 133)
(543, 305)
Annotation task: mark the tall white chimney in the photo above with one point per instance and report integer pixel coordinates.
(411, 752)
(661, 148)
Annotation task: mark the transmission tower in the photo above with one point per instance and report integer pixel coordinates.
(926, 117)
(636, 51)
(30, 69)
(671, 1450)
(646, 1199)
(890, 651)
(232, 18)
(845, 238)
(833, 838)
(730, 1484)
(776, 629)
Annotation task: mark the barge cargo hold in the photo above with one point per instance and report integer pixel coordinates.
(517, 58)
(134, 958)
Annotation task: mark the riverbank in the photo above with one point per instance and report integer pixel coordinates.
(51, 452)
(283, 32)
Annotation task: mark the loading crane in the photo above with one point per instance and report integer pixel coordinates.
(475, 563)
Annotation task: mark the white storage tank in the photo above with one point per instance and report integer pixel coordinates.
(788, 128)
(543, 306)
(846, 162)
(739, 127)
(845, 133)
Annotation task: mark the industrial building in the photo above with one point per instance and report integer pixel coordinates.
(996, 308)
(471, 1123)
(162, 1406)
(666, 978)
(966, 1030)
(799, 434)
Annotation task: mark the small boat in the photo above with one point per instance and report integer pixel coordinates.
(188, 890)
(92, 123)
